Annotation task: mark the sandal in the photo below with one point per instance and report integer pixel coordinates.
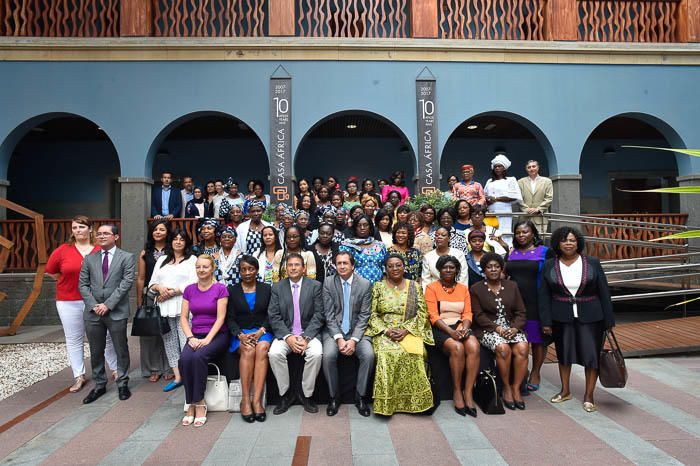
(78, 385)
(200, 421)
(559, 398)
(168, 377)
(187, 420)
(533, 387)
(115, 375)
(155, 377)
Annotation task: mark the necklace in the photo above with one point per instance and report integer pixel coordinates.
(497, 291)
(448, 289)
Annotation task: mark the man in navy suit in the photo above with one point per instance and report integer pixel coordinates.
(166, 202)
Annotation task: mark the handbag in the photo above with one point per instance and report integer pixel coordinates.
(235, 396)
(611, 364)
(147, 321)
(486, 393)
(216, 394)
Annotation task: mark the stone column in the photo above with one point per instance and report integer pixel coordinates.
(3, 194)
(567, 197)
(689, 204)
(135, 210)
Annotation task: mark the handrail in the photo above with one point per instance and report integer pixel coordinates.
(655, 294)
(641, 259)
(634, 223)
(653, 269)
(656, 278)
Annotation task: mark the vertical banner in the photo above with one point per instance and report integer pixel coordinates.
(426, 114)
(281, 187)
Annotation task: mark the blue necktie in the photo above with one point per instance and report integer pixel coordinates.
(345, 326)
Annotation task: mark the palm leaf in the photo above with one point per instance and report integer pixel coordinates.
(693, 152)
(683, 235)
(681, 303)
(672, 190)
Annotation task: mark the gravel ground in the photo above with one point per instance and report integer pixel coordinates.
(22, 365)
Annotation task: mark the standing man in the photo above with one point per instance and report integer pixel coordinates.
(296, 318)
(538, 194)
(347, 304)
(468, 189)
(165, 201)
(105, 280)
(187, 193)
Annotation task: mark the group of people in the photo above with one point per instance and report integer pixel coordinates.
(377, 281)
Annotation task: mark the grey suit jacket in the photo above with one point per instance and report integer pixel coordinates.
(360, 305)
(281, 309)
(114, 292)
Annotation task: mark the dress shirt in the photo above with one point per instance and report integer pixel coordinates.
(110, 257)
(165, 199)
(342, 284)
(533, 183)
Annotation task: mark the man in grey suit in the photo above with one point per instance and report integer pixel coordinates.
(347, 304)
(105, 280)
(296, 318)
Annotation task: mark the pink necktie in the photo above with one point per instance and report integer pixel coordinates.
(296, 324)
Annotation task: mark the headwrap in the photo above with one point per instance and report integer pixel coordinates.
(500, 159)
(228, 184)
(301, 213)
(286, 210)
(467, 167)
(323, 210)
(227, 229)
(256, 203)
(207, 222)
(341, 210)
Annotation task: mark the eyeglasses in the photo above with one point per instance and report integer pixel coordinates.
(102, 233)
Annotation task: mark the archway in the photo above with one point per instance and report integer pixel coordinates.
(607, 168)
(209, 146)
(354, 143)
(477, 140)
(64, 165)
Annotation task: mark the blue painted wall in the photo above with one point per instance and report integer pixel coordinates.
(135, 101)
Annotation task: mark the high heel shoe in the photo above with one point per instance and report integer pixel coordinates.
(461, 411)
(200, 421)
(78, 385)
(470, 411)
(250, 418)
(509, 404)
(260, 417)
(187, 419)
(520, 405)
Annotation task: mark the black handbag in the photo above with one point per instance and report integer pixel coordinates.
(147, 321)
(612, 370)
(486, 393)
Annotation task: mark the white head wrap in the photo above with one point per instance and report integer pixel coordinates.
(500, 159)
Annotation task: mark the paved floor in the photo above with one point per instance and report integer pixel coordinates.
(656, 420)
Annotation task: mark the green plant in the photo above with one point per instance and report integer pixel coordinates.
(437, 199)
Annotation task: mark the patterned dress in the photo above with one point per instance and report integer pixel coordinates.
(228, 269)
(423, 242)
(199, 249)
(253, 241)
(414, 262)
(369, 261)
(401, 383)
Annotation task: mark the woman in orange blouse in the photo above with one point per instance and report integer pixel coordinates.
(450, 312)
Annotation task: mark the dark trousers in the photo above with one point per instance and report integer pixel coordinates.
(96, 331)
(364, 353)
(194, 365)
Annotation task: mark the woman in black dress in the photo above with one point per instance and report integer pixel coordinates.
(523, 266)
(575, 308)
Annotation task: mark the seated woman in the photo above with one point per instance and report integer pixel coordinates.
(206, 231)
(206, 339)
(399, 328)
(246, 317)
(450, 312)
(293, 243)
(499, 316)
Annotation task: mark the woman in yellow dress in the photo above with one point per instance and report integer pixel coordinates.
(399, 328)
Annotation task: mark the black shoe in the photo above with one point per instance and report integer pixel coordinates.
(260, 417)
(249, 418)
(94, 394)
(470, 411)
(509, 404)
(124, 393)
(362, 407)
(461, 411)
(332, 408)
(520, 405)
(283, 405)
(309, 405)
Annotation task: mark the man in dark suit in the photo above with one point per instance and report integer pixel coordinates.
(105, 280)
(347, 304)
(166, 201)
(296, 318)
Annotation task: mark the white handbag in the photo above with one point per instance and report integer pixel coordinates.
(235, 396)
(216, 394)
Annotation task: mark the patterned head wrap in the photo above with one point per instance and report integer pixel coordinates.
(229, 182)
(207, 222)
(286, 211)
(227, 229)
(500, 159)
(327, 209)
(467, 167)
(256, 203)
(302, 213)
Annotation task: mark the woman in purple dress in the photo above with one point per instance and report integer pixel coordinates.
(524, 266)
(207, 338)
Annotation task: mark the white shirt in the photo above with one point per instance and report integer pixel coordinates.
(571, 275)
(176, 276)
(430, 273)
(110, 255)
(533, 183)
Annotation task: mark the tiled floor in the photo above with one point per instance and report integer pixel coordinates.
(655, 420)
